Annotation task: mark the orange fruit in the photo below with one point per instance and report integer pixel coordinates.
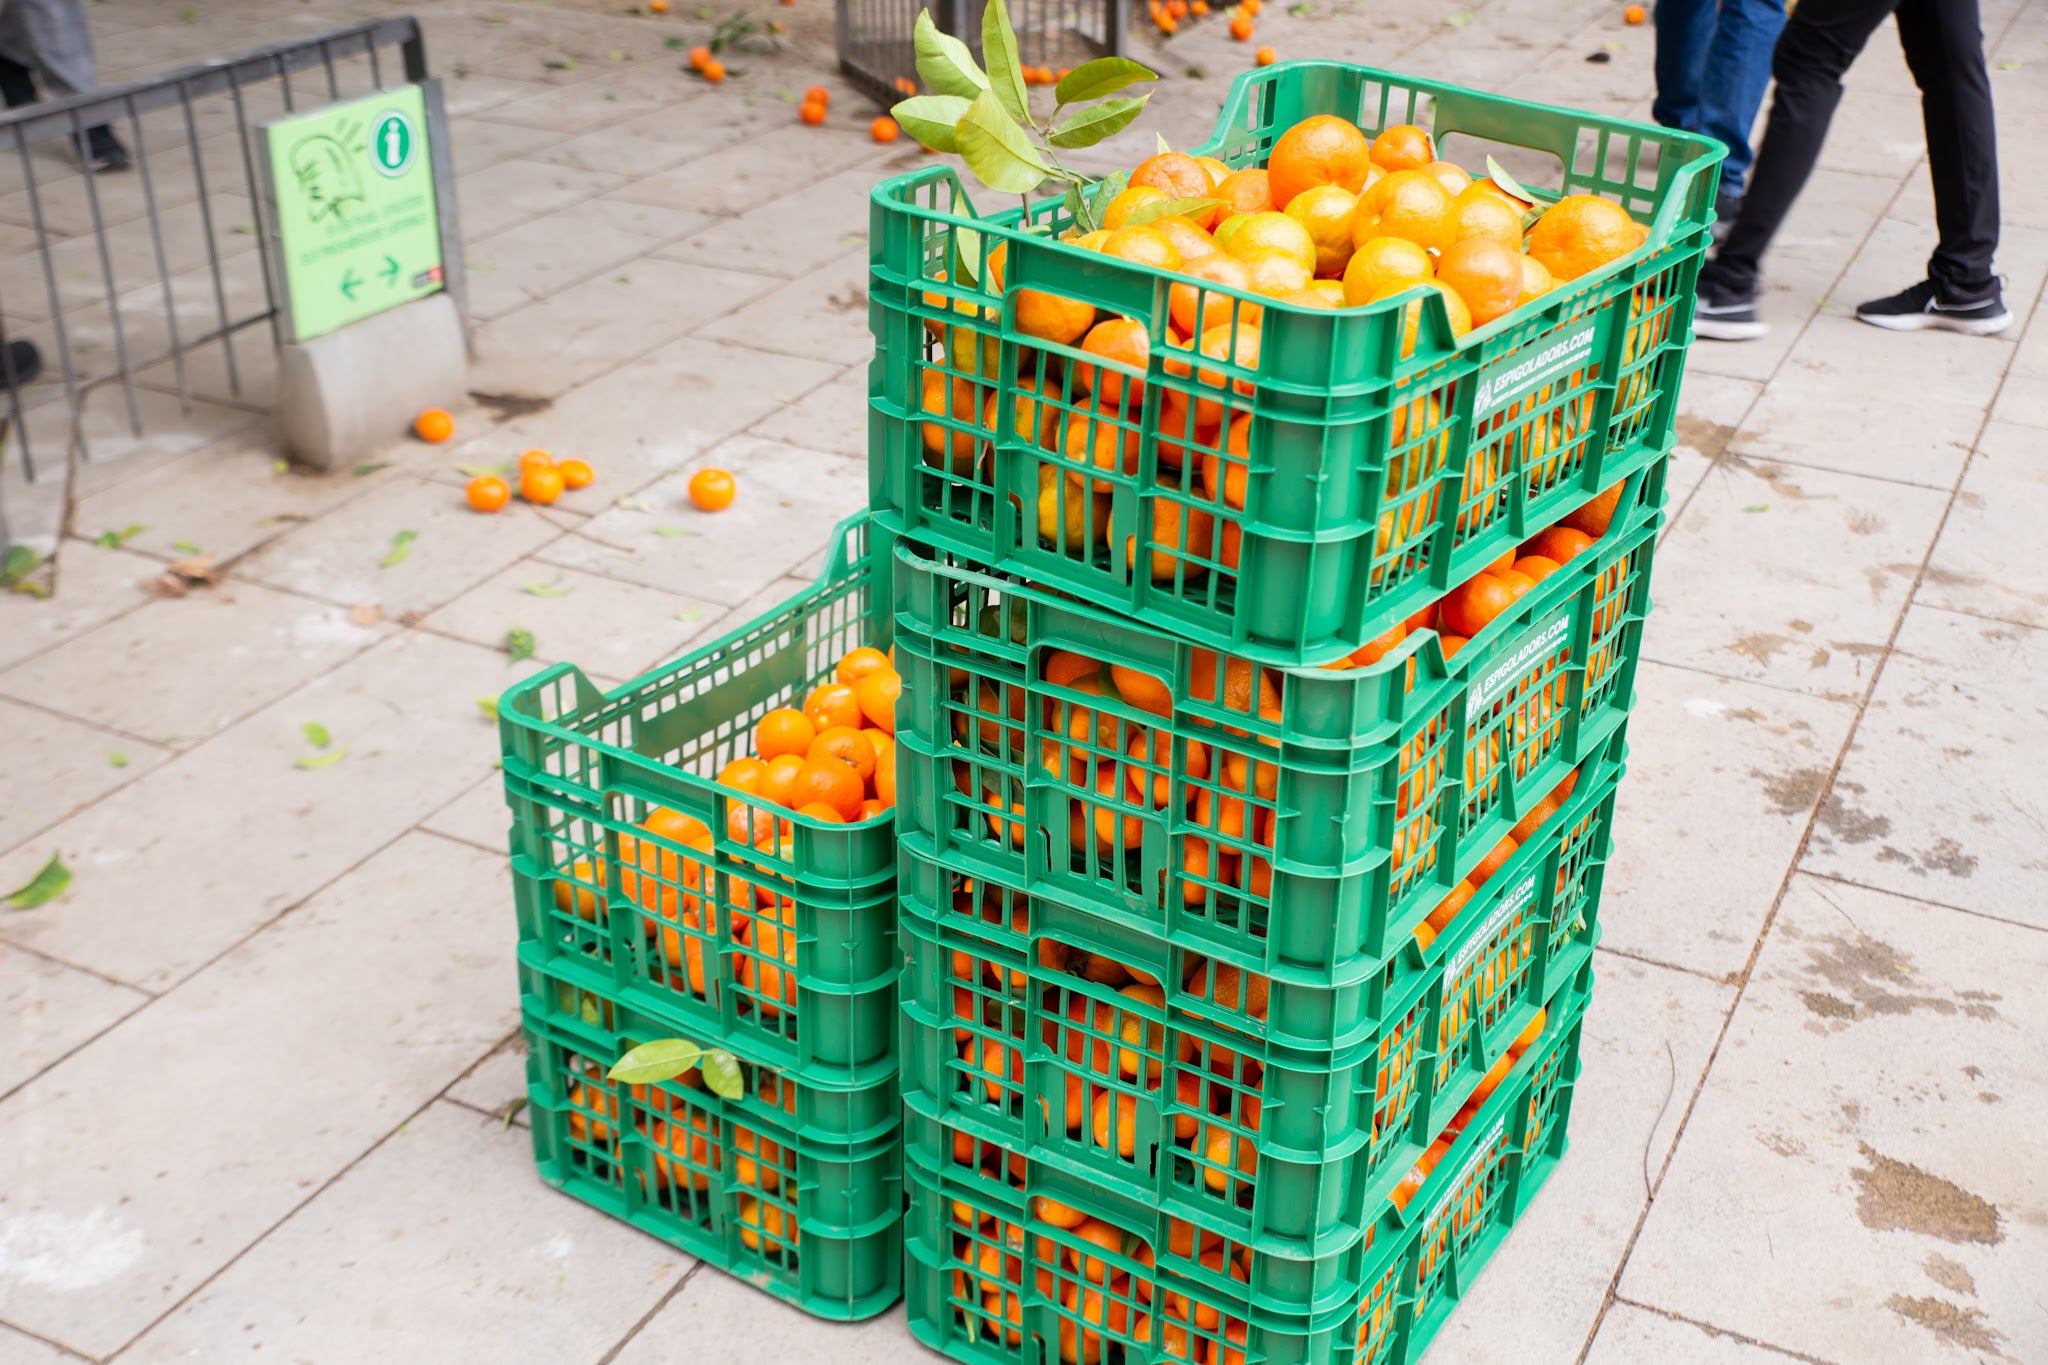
(818, 94)
(540, 485)
(877, 694)
(1454, 308)
(535, 459)
(1320, 150)
(778, 783)
(1265, 56)
(1408, 204)
(860, 662)
(1559, 543)
(488, 493)
(1536, 281)
(1384, 265)
(1486, 274)
(434, 425)
(845, 744)
(812, 114)
(1595, 517)
(1238, 345)
(743, 774)
(1275, 272)
(884, 129)
(833, 704)
(1634, 14)
(957, 398)
(1124, 341)
(829, 781)
(1325, 210)
(1142, 246)
(1052, 317)
(711, 490)
(1579, 234)
(700, 57)
(1171, 549)
(1129, 200)
(1480, 211)
(1450, 175)
(1535, 568)
(1272, 231)
(576, 474)
(785, 730)
(885, 776)
(1241, 27)
(1244, 192)
(713, 71)
(1194, 310)
(1176, 175)
(1495, 858)
(1468, 608)
(1189, 240)
(1218, 172)
(1403, 147)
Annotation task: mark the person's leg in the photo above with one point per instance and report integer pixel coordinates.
(1819, 42)
(52, 36)
(1738, 67)
(1685, 30)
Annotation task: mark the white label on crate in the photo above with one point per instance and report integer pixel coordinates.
(1502, 913)
(1511, 379)
(1503, 675)
(1477, 1159)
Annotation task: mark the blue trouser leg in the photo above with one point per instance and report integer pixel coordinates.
(1738, 67)
(1685, 30)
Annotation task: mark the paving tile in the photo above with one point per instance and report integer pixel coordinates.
(442, 1227)
(80, 276)
(184, 862)
(551, 346)
(734, 179)
(789, 235)
(655, 414)
(1987, 561)
(599, 624)
(261, 1078)
(545, 255)
(822, 315)
(477, 143)
(17, 1348)
(512, 191)
(94, 585)
(654, 142)
(478, 816)
(728, 1320)
(1710, 409)
(1940, 796)
(1630, 1335)
(1863, 1176)
(211, 658)
(611, 99)
(2023, 400)
(467, 93)
(1801, 592)
(1723, 780)
(497, 1082)
(55, 766)
(788, 503)
(339, 558)
(225, 500)
(830, 417)
(49, 1009)
(1649, 1032)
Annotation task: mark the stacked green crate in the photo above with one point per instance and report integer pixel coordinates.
(655, 902)
(1246, 964)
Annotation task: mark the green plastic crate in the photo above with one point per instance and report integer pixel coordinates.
(1305, 846)
(794, 1188)
(1015, 1030)
(774, 933)
(1373, 480)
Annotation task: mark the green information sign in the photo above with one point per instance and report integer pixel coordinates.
(353, 208)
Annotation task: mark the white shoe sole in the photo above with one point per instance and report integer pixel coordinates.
(1717, 329)
(1938, 322)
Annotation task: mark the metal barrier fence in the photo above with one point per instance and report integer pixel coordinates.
(192, 197)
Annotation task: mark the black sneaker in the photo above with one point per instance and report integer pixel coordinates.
(1920, 307)
(20, 362)
(1723, 314)
(103, 151)
(1726, 207)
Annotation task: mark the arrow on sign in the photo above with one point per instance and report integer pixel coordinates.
(390, 273)
(349, 284)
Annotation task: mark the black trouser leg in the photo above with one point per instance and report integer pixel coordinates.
(17, 83)
(1820, 40)
(1945, 51)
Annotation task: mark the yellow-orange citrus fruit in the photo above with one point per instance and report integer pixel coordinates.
(1272, 231)
(1480, 211)
(1408, 204)
(1321, 150)
(1177, 175)
(1325, 210)
(1487, 275)
(1381, 266)
(1580, 233)
(1127, 200)
(1141, 246)
(1403, 147)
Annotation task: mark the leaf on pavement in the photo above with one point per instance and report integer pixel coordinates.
(48, 884)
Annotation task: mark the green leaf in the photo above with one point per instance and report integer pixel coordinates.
(1168, 208)
(965, 267)
(185, 547)
(519, 643)
(672, 531)
(943, 62)
(489, 706)
(326, 760)
(18, 564)
(999, 50)
(512, 1111)
(2008, 66)
(401, 546)
(664, 1059)
(1163, 147)
(674, 44)
(316, 734)
(1086, 127)
(996, 149)
(1458, 20)
(48, 884)
(370, 468)
(930, 119)
(117, 758)
(1076, 206)
(1758, 507)
(552, 588)
(1104, 190)
(1498, 174)
(114, 540)
(690, 614)
(476, 470)
(721, 1072)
